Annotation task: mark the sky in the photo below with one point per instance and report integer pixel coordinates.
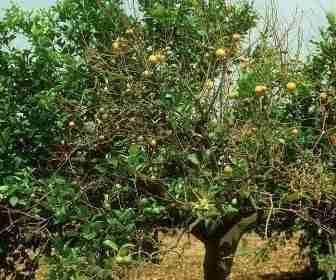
(28, 4)
(309, 13)
(313, 19)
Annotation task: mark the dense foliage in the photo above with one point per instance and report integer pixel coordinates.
(112, 127)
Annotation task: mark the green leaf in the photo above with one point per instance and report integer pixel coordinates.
(13, 201)
(124, 250)
(194, 159)
(133, 150)
(111, 244)
(330, 275)
(89, 235)
(292, 197)
(123, 260)
(4, 188)
(4, 137)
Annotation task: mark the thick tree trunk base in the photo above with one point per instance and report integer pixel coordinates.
(220, 247)
(218, 261)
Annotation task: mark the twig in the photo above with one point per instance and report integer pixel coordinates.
(269, 216)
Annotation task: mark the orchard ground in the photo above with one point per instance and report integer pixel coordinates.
(182, 259)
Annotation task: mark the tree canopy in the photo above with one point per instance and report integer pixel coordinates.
(112, 127)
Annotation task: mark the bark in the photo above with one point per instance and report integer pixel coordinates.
(220, 248)
(218, 261)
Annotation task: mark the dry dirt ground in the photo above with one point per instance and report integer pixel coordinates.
(185, 261)
(182, 260)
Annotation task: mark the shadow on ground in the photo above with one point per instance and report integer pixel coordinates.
(297, 275)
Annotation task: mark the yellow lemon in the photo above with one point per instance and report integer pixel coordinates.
(154, 59)
(260, 90)
(228, 171)
(291, 86)
(221, 53)
(116, 46)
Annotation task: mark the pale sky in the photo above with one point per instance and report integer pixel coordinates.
(28, 3)
(314, 10)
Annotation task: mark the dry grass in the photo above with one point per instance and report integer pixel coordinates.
(185, 261)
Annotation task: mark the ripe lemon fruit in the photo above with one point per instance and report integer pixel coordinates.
(161, 58)
(228, 171)
(146, 73)
(260, 90)
(291, 86)
(221, 53)
(116, 46)
(154, 59)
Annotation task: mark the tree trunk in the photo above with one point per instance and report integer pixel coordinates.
(220, 248)
(218, 260)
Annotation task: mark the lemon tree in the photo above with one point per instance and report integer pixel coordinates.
(113, 127)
